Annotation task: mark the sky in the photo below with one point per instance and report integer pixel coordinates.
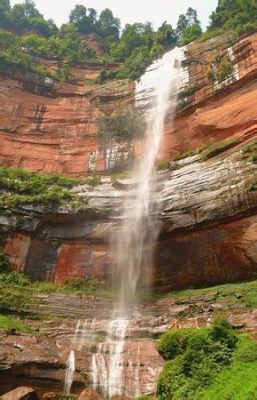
(129, 11)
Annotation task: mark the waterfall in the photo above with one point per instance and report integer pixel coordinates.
(71, 363)
(134, 241)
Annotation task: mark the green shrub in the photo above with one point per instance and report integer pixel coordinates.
(196, 356)
(174, 342)
(4, 264)
(225, 70)
(22, 187)
(247, 350)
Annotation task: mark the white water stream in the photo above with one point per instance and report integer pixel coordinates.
(135, 239)
(71, 363)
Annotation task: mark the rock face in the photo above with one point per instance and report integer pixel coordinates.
(208, 217)
(21, 393)
(55, 131)
(207, 208)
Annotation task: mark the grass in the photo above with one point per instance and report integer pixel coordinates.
(220, 148)
(250, 152)
(225, 293)
(239, 381)
(8, 324)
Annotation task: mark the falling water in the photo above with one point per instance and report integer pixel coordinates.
(71, 363)
(135, 239)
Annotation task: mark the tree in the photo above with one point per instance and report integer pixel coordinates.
(182, 25)
(192, 17)
(108, 25)
(165, 35)
(78, 13)
(4, 9)
(191, 33)
(189, 25)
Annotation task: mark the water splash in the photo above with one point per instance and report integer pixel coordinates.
(134, 241)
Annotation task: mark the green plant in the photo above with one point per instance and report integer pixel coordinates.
(186, 93)
(220, 148)
(121, 127)
(4, 264)
(9, 324)
(225, 70)
(195, 357)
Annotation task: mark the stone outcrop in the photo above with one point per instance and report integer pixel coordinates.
(89, 394)
(21, 393)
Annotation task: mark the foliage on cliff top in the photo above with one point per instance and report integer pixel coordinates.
(235, 16)
(136, 46)
(28, 35)
(199, 361)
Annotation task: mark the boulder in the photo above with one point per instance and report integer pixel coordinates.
(89, 394)
(21, 393)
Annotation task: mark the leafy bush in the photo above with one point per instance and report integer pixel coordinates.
(19, 187)
(195, 357)
(247, 350)
(4, 264)
(191, 33)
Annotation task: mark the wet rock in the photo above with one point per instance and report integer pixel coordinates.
(21, 393)
(89, 394)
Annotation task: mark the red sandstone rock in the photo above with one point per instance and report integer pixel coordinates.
(89, 394)
(21, 393)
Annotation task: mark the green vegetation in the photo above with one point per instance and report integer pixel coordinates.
(220, 70)
(235, 16)
(224, 294)
(21, 187)
(121, 126)
(163, 166)
(18, 292)
(26, 35)
(239, 381)
(187, 92)
(220, 148)
(207, 363)
(250, 152)
(9, 324)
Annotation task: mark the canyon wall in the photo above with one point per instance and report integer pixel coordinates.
(208, 206)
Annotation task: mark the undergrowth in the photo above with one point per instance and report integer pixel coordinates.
(208, 363)
(22, 187)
